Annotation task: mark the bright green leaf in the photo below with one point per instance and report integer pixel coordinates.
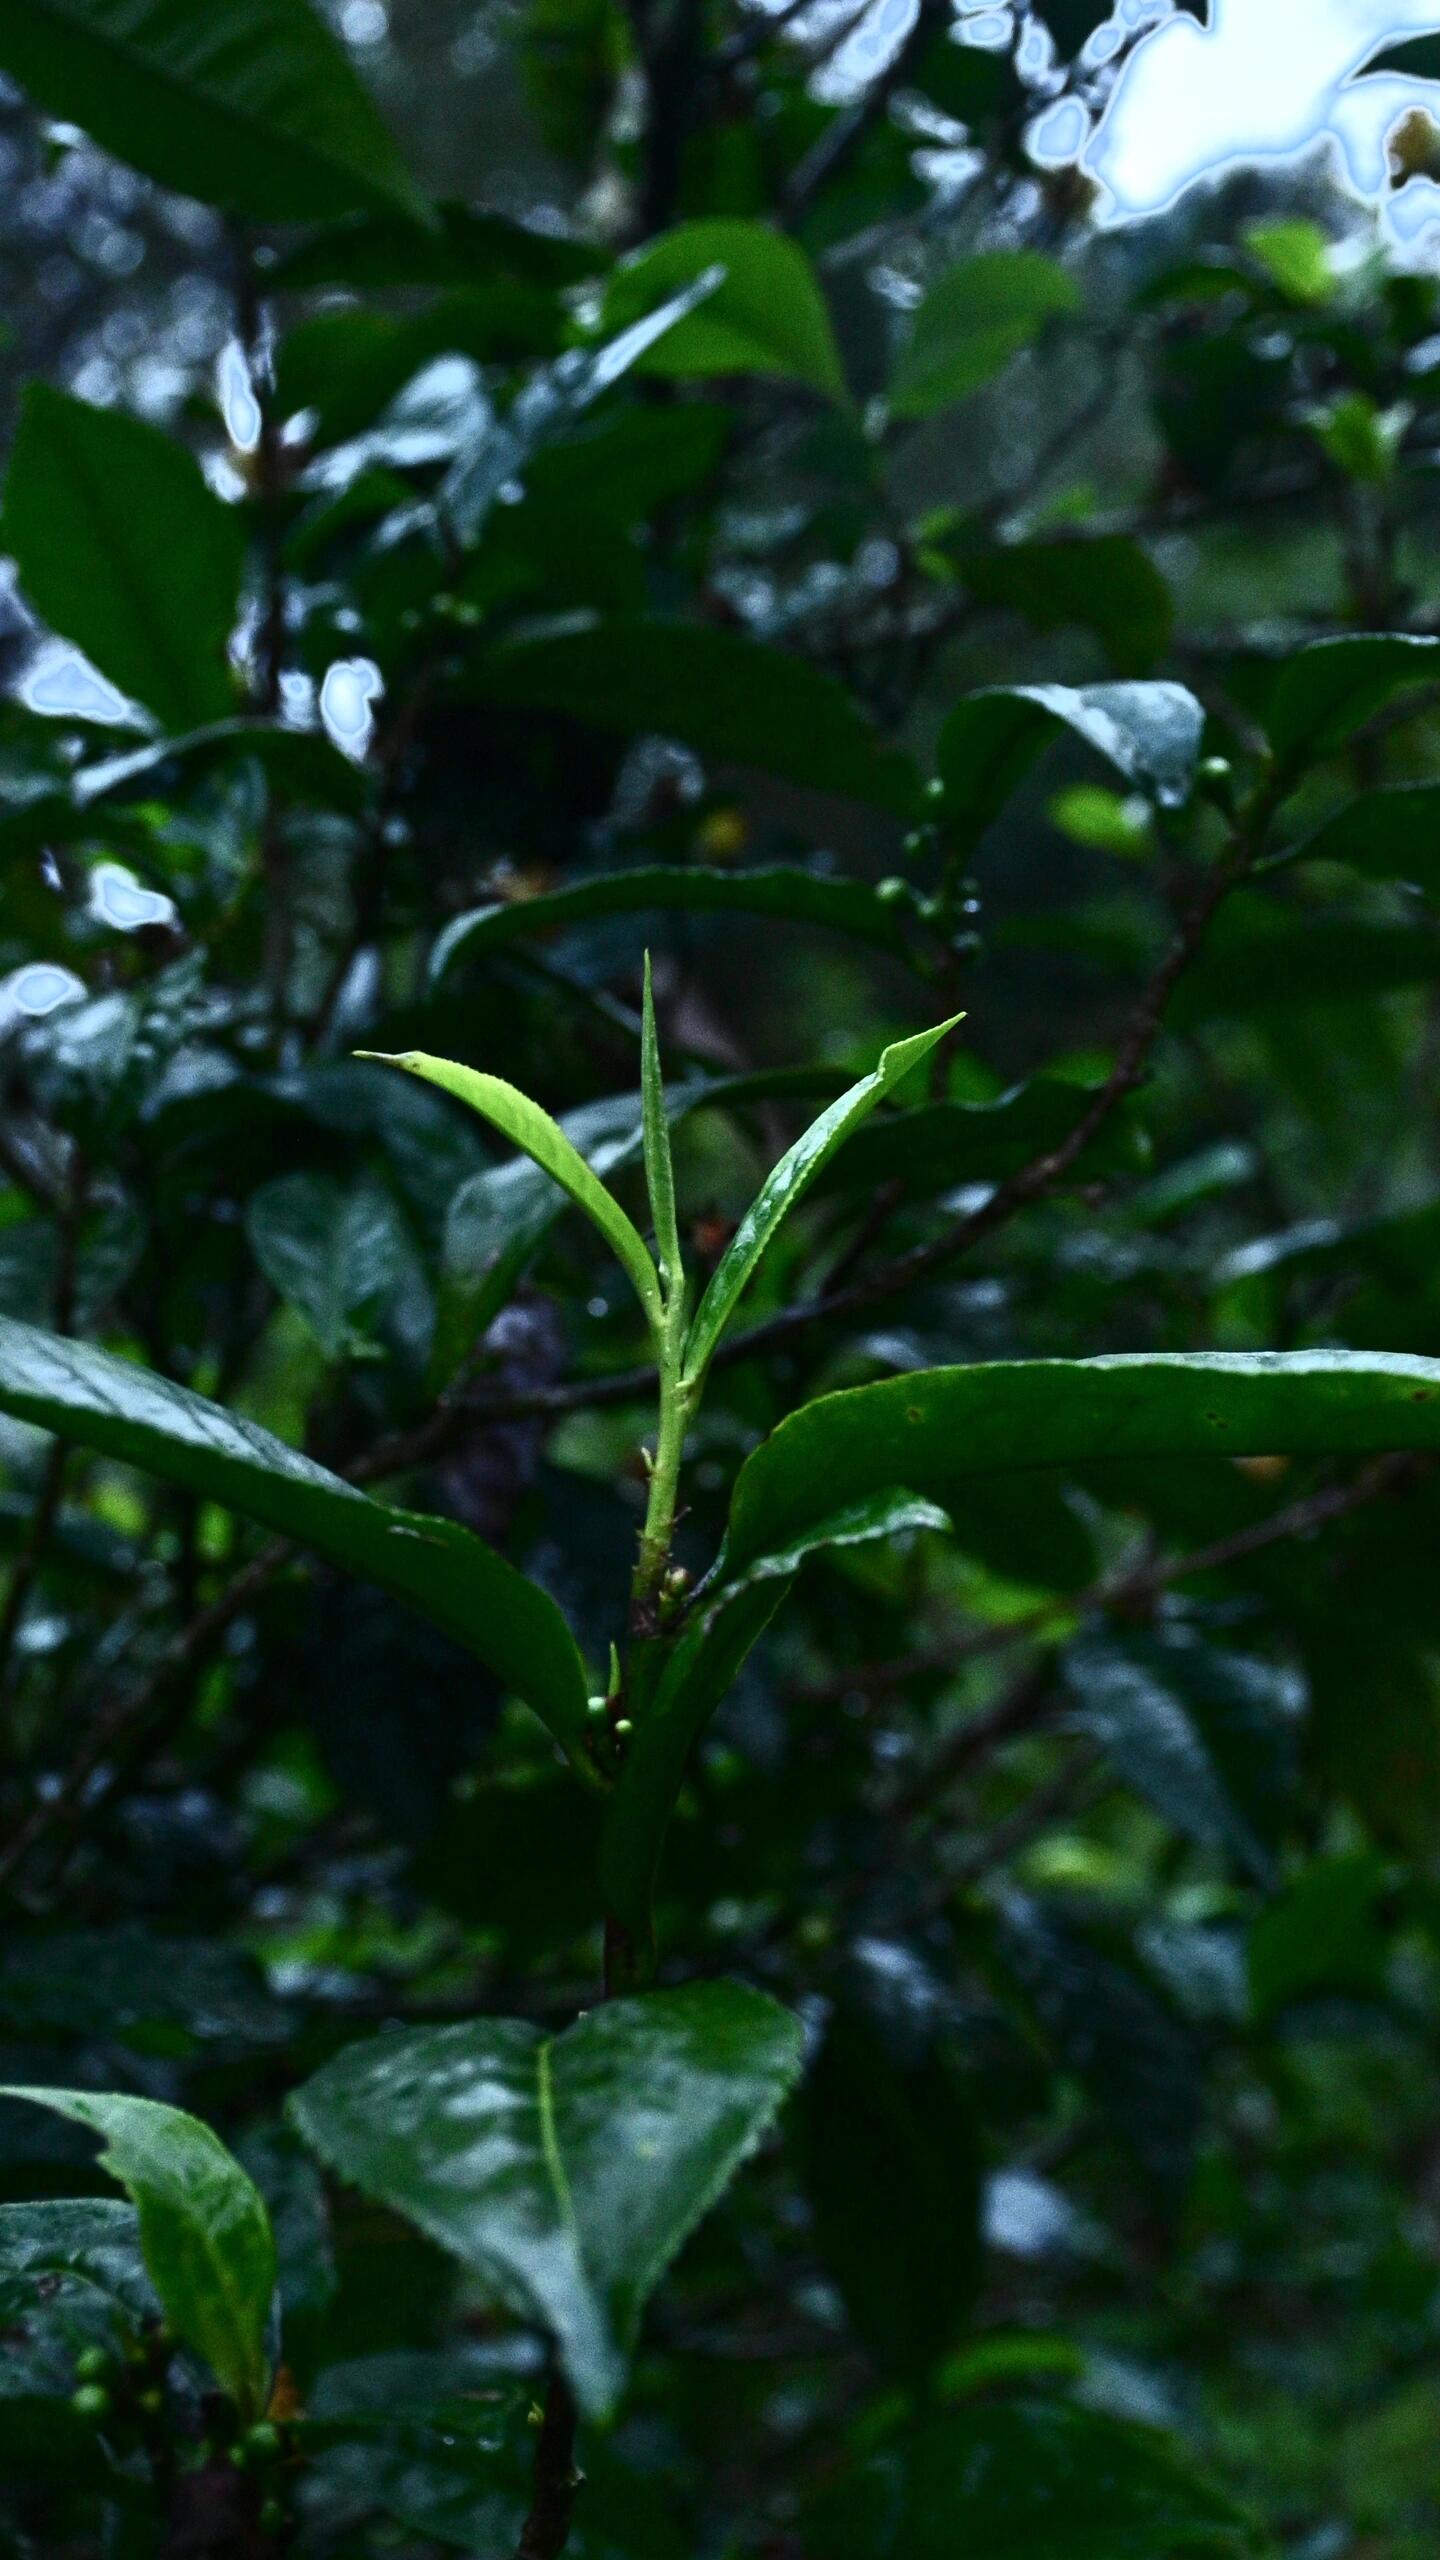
(204, 2232)
(530, 1127)
(659, 1169)
(787, 1184)
(1297, 257)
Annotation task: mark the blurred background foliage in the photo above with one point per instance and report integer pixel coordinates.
(1097, 1845)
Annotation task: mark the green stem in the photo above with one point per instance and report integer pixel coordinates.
(677, 1398)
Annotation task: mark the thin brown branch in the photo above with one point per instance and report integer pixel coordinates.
(557, 2481)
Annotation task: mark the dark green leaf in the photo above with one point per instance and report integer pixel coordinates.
(1142, 1698)
(1387, 835)
(443, 1571)
(1148, 733)
(1108, 585)
(941, 1145)
(1259, 962)
(565, 2170)
(894, 2175)
(805, 897)
(1326, 692)
(459, 245)
(124, 550)
(728, 697)
(768, 316)
(204, 2232)
(698, 1674)
(128, 1985)
(1025, 2480)
(1106, 2027)
(343, 1256)
(1322, 1935)
(934, 1429)
(974, 318)
(90, 2243)
(250, 104)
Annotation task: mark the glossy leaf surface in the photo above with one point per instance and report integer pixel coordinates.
(1150, 734)
(529, 1127)
(935, 1429)
(204, 2232)
(787, 1184)
(442, 1570)
(565, 2171)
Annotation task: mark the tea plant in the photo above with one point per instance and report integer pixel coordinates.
(750, 1874)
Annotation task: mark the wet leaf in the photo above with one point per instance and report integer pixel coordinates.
(934, 1430)
(531, 1128)
(443, 1571)
(204, 2233)
(787, 1184)
(564, 2170)
(1148, 733)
